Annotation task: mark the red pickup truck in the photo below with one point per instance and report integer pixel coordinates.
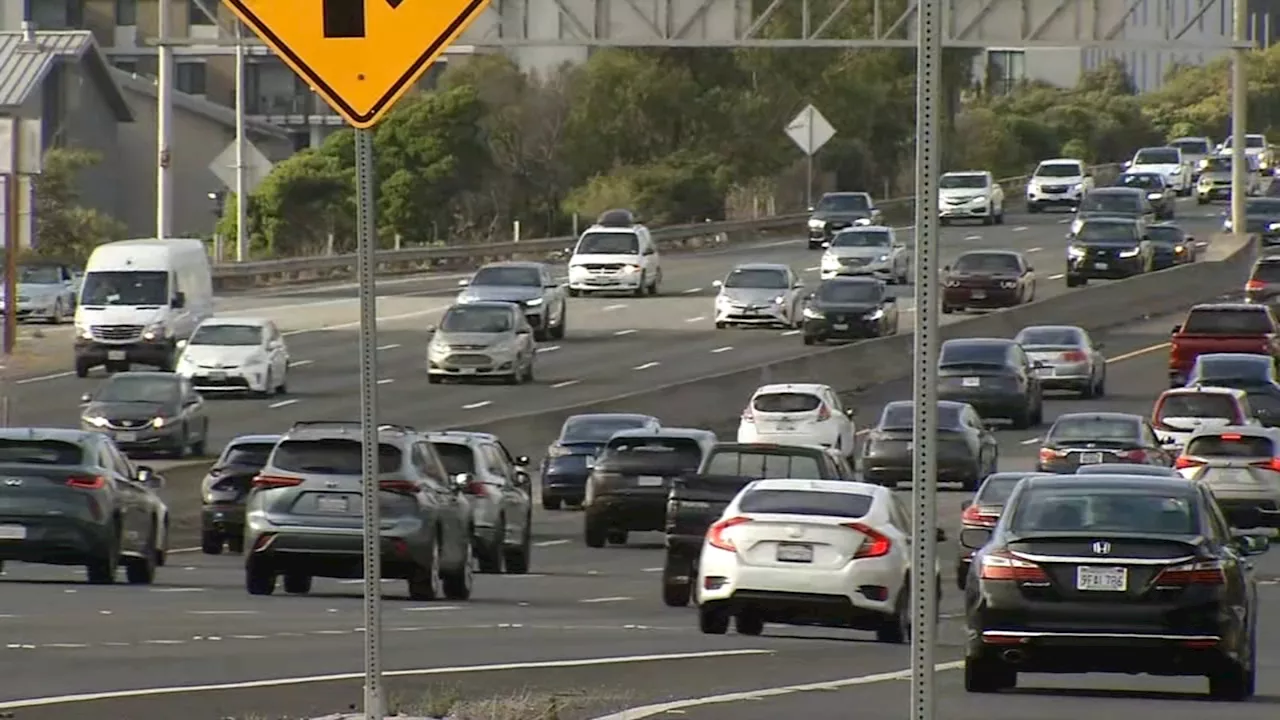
(1221, 328)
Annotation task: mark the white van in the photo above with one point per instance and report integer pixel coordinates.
(138, 298)
(617, 254)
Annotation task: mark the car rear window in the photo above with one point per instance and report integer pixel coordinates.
(41, 452)
(1090, 428)
(1230, 445)
(898, 417)
(764, 465)
(1232, 367)
(595, 430)
(1198, 405)
(1227, 321)
(330, 456)
(457, 458)
(1097, 510)
(254, 454)
(970, 353)
(786, 402)
(652, 453)
(996, 490)
(1268, 272)
(1050, 337)
(805, 502)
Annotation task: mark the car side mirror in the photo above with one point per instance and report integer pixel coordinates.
(193, 400)
(461, 481)
(946, 268)
(179, 301)
(1030, 269)
(717, 283)
(1176, 329)
(1099, 346)
(149, 477)
(965, 505)
(799, 284)
(1188, 240)
(826, 245)
(180, 344)
(810, 208)
(522, 461)
(464, 282)
(1252, 544)
(649, 251)
(851, 412)
(941, 535)
(990, 425)
(1126, 165)
(974, 538)
(85, 399)
(891, 300)
(522, 479)
(523, 331)
(1039, 364)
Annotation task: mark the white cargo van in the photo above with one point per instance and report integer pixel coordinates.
(617, 254)
(138, 298)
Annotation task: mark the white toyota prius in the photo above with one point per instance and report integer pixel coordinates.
(235, 355)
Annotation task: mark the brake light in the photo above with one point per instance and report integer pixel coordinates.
(876, 544)
(1255, 285)
(715, 535)
(824, 413)
(1049, 454)
(1074, 356)
(401, 487)
(1183, 462)
(1272, 464)
(1004, 566)
(1205, 572)
(747, 416)
(975, 515)
(1138, 456)
(86, 482)
(1230, 436)
(475, 487)
(266, 482)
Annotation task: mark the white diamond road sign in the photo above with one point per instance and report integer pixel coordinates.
(257, 166)
(810, 130)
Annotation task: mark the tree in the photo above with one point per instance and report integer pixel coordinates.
(63, 227)
(298, 204)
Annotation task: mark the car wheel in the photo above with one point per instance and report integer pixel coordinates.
(640, 289)
(297, 583)
(517, 559)
(677, 580)
(896, 628)
(57, 317)
(259, 578)
(211, 542)
(267, 386)
(424, 580)
(984, 675)
(557, 332)
(489, 557)
(142, 570)
(199, 447)
(617, 537)
(749, 622)
(457, 582)
(713, 619)
(810, 340)
(551, 503)
(102, 570)
(235, 544)
(1231, 682)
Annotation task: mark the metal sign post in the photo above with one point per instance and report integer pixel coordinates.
(1239, 119)
(810, 131)
(924, 392)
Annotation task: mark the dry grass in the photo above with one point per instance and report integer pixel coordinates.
(448, 703)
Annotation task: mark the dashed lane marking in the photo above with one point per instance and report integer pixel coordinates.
(177, 590)
(719, 350)
(1059, 276)
(1029, 441)
(548, 348)
(691, 291)
(646, 366)
(431, 608)
(386, 381)
(222, 612)
(1020, 228)
(815, 268)
(611, 308)
(565, 383)
(391, 346)
(300, 363)
(972, 237)
(611, 599)
(551, 543)
(620, 333)
(282, 403)
(477, 405)
(1034, 249)
(699, 318)
(791, 332)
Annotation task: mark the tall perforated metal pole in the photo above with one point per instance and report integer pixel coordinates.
(1239, 115)
(242, 203)
(366, 245)
(924, 375)
(164, 124)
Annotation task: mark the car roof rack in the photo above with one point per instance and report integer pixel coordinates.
(345, 425)
(465, 433)
(616, 218)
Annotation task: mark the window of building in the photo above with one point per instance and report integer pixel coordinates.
(196, 14)
(129, 66)
(191, 77)
(126, 12)
(1005, 70)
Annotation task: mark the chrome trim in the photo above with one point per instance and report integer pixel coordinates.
(1094, 559)
(1107, 636)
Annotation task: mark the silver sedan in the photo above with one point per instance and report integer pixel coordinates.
(766, 294)
(1066, 359)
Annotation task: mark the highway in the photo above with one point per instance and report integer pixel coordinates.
(588, 617)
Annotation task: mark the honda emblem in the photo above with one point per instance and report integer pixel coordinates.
(1102, 547)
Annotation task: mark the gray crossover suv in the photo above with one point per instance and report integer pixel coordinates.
(304, 516)
(482, 339)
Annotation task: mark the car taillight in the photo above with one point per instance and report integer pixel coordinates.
(1074, 356)
(1049, 454)
(1205, 572)
(1272, 464)
(975, 515)
(715, 534)
(748, 416)
(400, 487)
(1004, 566)
(86, 482)
(823, 413)
(875, 545)
(266, 482)
(1183, 462)
(1138, 456)
(475, 487)
(1255, 285)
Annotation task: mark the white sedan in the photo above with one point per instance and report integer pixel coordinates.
(807, 552)
(798, 414)
(235, 355)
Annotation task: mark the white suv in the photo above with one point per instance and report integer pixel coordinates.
(617, 254)
(1060, 182)
(798, 414)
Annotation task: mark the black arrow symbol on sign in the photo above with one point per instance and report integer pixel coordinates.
(345, 18)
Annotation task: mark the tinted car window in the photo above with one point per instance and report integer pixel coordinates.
(861, 238)
(786, 402)
(595, 430)
(843, 203)
(1266, 272)
(1192, 147)
(1057, 337)
(122, 388)
(456, 457)
(1140, 180)
(897, 416)
(806, 502)
(1160, 156)
(1166, 234)
(1230, 446)
(248, 454)
(986, 263)
(1088, 428)
(1197, 405)
(608, 243)
(40, 452)
(1097, 510)
(1227, 321)
(1262, 206)
(1264, 403)
(507, 276)
(849, 292)
(1064, 170)
(673, 455)
(330, 456)
(996, 490)
(1111, 202)
(763, 465)
(477, 319)
(1107, 232)
(757, 278)
(973, 353)
(1233, 368)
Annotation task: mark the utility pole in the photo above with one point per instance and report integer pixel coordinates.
(1239, 115)
(164, 128)
(242, 203)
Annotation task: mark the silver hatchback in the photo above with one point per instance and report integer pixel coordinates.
(1066, 358)
(1241, 465)
(482, 339)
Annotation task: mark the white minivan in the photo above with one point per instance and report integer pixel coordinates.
(617, 254)
(138, 298)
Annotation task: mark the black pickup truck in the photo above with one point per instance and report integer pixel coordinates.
(695, 501)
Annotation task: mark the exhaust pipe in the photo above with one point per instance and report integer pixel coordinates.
(1013, 656)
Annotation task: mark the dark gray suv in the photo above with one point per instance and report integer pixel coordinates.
(304, 516)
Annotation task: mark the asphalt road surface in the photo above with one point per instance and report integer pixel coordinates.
(586, 622)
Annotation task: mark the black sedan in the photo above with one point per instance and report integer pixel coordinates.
(967, 451)
(1262, 218)
(569, 459)
(225, 488)
(1254, 374)
(1172, 246)
(1100, 437)
(1111, 574)
(1159, 193)
(848, 308)
(1108, 248)
(837, 211)
(148, 412)
(995, 376)
(69, 497)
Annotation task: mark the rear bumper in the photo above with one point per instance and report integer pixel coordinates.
(635, 512)
(816, 608)
(57, 541)
(853, 329)
(336, 554)
(223, 518)
(570, 487)
(883, 470)
(1107, 652)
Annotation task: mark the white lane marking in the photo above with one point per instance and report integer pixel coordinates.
(548, 348)
(431, 608)
(42, 378)
(690, 291)
(813, 269)
(356, 323)
(791, 332)
(699, 318)
(68, 646)
(1059, 276)
(1029, 441)
(222, 612)
(177, 590)
(719, 350)
(185, 550)
(652, 569)
(282, 403)
(551, 543)
(646, 366)
(565, 383)
(611, 308)
(972, 237)
(249, 637)
(1034, 249)
(1064, 221)
(386, 381)
(392, 346)
(620, 333)
(1020, 228)
(477, 405)
(678, 706)
(300, 363)
(344, 677)
(611, 599)
(164, 642)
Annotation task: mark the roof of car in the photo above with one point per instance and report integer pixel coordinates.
(306, 429)
(235, 320)
(791, 387)
(781, 267)
(767, 448)
(1012, 253)
(1098, 416)
(256, 439)
(1002, 342)
(1075, 328)
(1155, 483)
(73, 435)
(149, 374)
(610, 416)
(1113, 219)
(910, 403)
(1127, 469)
(688, 433)
(1114, 190)
(458, 436)
(1240, 357)
(1053, 161)
(967, 172)
(1250, 430)
(853, 229)
(1238, 306)
(1205, 389)
(847, 193)
(504, 304)
(514, 264)
(851, 487)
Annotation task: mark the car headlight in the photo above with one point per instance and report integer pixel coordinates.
(1132, 252)
(1076, 225)
(1205, 181)
(630, 269)
(1075, 252)
(159, 422)
(1274, 226)
(533, 303)
(875, 314)
(577, 269)
(1179, 248)
(95, 421)
(980, 200)
(1226, 224)
(862, 221)
(952, 283)
(155, 331)
(1204, 163)
(721, 300)
(830, 261)
(882, 258)
(814, 314)
(557, 451)
(817, 224)
(1154, 196)
(779, 300)
(1008, 284)
(84, 332)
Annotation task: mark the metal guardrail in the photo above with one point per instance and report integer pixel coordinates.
(247, 275)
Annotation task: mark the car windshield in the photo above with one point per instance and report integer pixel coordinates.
(1264, 403)
(227, 335)
(1116, 202)
(987, 263)
(967, 181)
(849, 292)
(1197, 405)
(1157, 156)
(1250, 141)
(897, 416)
(1059, 170)
(1269, 207)
(254, 454)
(608, 243)
(660, 455)
(757, 278)
(457, 458)
(477, 319)
(805, 502)
(786, 402)
(330, 456)
(861, 239)
(1101, 429)
(1167, 234)
(1050, 337)
(596, 429)
(1230, 445)
(854, 202)
(1248, 367)
(139, 287)
(1218, 164)
(1104, 510)
(764, 465)
(1140, 180)
(40, 274)
(1107, 232)
(149, 389)
(507, 277)
(1192, 146)
(40, 452)
(973, 353)
(1228, 321)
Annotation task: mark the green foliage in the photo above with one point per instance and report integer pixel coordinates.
(63, 227)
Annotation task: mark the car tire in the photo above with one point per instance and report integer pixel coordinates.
(749, 623)
(516, 560)
(947, 309)
(259, 579)
(297, 583)
(541, 335)
(57, 317)
(199, 447)
(489, 557)
(82, 368)
(557, 332)
(1101, 389)
(642, 287)
(211, 542)
(424, 580)
(1033, 208)
(617, 537)
(551, 503)
(896, 628)
(1076, 281)
(721, 325)
(1231, 682)
(713, 619)
(962, 579)
(594, 532)
(433, 379)
(458, 582)
(142, 570)
(235, 544)
(677, 592)
(983, 675)
(267, 387)
(810, 340)
(1000, 215)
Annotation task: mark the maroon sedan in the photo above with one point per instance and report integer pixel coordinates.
(988, 279)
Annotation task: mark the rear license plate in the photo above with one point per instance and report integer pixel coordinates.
(1090, 458)
(795, 553)
(126, 436)
(971, 382)
(1100, 266)
(116, 355)
(1044, 372)
(13, 532)
(331, 504)
(840, 326)
(649, 481)
(1102, 579)
(783, 426)
(978, 294)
